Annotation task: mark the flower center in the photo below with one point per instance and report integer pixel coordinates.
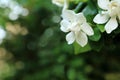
(75, 27)
(113, 8)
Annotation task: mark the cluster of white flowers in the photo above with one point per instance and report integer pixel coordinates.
(77, 27)
(110, 13)
(15, 9)
(76, 23)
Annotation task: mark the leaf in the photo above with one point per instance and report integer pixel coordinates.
(78, 7)
(89, 13)
(101, 27)
(97, 46)
(71, 74)
(96, 36)
(77, 1)
(78, 49)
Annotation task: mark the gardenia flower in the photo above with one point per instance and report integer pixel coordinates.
(77, 27)
(109, 14)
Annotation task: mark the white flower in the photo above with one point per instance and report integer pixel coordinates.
(58, 2)
(110, 14)
(2, 34)
(77, 27)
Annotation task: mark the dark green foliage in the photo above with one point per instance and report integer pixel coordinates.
(46, 54)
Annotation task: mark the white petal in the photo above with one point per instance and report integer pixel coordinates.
(80, 17)
(111, 25)
(66, 4)
(70, 37)
(68, 15)
(87, 29)
(58, 2)
(101, 18)
(103, 4)
(2, 33)
(81, 38)
(117, 1)
(64, 25)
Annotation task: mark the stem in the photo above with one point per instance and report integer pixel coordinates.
(78, 7)
(66, 4)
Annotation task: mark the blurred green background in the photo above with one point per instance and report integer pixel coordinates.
(36, 49)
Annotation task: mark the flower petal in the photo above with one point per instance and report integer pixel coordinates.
(64, 25)
(103, 4)
(66, 4)
(2, 33)
(117, 1)
(68, 15)
(80, 17)
(58, 2)
(87, 29)
(81, 38)
(111, 25)
(70, 37)
(101, 18)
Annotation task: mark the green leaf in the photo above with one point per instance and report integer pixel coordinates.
(78, 49)
(89, 13)
(97, 46)
(78, 7)
(101, 27)
(96, 36)
(77, 1)
(71, 74)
